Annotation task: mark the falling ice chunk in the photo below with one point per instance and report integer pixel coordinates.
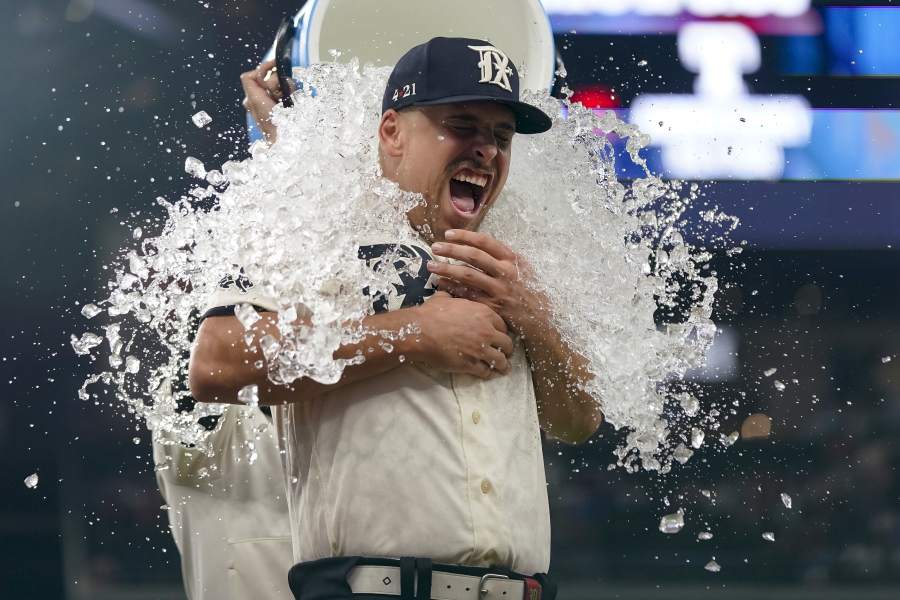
(689, 404)
(249, 394)
(769, 372)
(137, 233)
(706, 493)
(696, 437)
(642, 63)
(201, 119)
(216, 178)
(730, 439)
(193, 166)
(88, 340)
(779, 385)
(269, 346)
(885, 359)
(672, 523)
(704, 535)
(786, 500)
(89, 311)
(682, 453)
(713, 567)
(136, 440)
(768, 536)
(132, 365)
(246, 314)
(31, 481)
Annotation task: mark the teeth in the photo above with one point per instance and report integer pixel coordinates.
(479, 180)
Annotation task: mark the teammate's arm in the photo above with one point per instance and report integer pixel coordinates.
(449, 334)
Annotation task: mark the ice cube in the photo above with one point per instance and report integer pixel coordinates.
(193, 166)
(31, 481)
(689, 404)
(249, 395)
(770, 372)
(769, 536)
(216, 178)
(713, 567)
(132, 365)
(786, 500)
(84, 344)
(136, 440)
(89, 311)
(730, 439)
(697, 437)
(201, 119)
(672, 523)
(246, 314)
(137, 233)
(704, 535)
(682, 453)
(885, 359)
(779, 385)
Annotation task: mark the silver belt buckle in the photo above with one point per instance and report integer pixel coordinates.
(482, 589)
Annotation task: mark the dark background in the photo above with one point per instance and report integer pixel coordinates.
(99, 97)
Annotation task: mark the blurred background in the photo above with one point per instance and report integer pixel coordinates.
(793, 128)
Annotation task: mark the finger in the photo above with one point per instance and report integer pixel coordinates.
(481, 370)
(457, 290)
(441, 294)
(484, 241)
(472, 255)
(496, 360)
(466, 275)
(503, 343)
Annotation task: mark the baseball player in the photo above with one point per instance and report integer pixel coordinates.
(421, 470)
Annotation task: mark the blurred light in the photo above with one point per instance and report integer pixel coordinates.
(721, 360)
(595, 96)
(79, 10)
(722, 131)
(758, 425)
(704, 8)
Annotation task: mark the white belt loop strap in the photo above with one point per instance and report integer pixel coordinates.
(370, 579)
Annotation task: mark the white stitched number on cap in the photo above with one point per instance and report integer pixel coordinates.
(406, 90)
(489, 59)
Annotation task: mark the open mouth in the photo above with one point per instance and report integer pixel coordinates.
(467, 189)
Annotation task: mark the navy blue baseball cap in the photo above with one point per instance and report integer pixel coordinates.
(450, 70)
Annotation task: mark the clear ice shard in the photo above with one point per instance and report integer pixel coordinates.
(249, 395)
(193, 166)
(697, 436)
(89, 311)
(704, 535)
(201, 119)
(769, 536)
(31, 481)
(84, 344)
(682, 453)
(769, 372)
(730, 439)
(246, 314)
(713, 567)
(786, 500)
(779, 385)
(132, 365)
(672, 523)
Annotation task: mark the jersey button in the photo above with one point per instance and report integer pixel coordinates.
(476, 417)
(485, 486)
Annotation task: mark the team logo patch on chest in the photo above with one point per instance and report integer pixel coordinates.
(494, 66)
(408, 265)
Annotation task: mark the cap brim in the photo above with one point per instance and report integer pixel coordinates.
(529, 119)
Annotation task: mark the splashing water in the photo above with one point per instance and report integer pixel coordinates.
(609, 254)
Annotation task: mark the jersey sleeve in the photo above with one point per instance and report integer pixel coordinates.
(233, 290)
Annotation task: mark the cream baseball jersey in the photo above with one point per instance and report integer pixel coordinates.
(414, 462)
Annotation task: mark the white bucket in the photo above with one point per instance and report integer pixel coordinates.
(381, 31)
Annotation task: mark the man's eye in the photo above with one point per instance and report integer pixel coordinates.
(461, 128)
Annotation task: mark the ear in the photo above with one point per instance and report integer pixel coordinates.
(390, 135)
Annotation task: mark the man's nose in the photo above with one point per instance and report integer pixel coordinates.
(486, 149)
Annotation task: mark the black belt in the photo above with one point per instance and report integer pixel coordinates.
(349, 577)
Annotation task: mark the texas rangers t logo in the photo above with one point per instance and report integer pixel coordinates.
(494, 66)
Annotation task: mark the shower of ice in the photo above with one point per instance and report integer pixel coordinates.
(606, 252)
